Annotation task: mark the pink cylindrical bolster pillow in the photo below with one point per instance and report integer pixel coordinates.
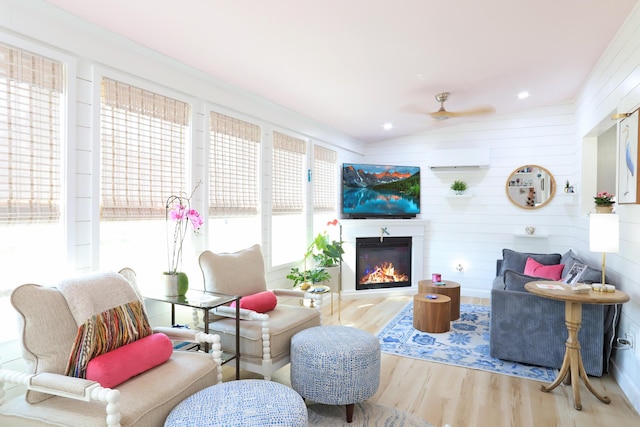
(117, 366)
(262, 302)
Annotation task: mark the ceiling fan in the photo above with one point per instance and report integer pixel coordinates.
(443, 114)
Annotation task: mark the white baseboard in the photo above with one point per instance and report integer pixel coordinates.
(628, 385)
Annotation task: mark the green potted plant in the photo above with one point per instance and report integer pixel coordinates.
(459, 186)
(326, 254)
(324, 251)
(306, 278)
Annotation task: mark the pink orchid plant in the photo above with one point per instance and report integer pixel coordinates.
(178, 209)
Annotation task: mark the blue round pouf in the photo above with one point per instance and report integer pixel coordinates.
(335, 365)
(241, 403)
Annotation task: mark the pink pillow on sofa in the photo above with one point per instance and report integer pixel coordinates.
(551, 272)
(119, 365)
(261, 302)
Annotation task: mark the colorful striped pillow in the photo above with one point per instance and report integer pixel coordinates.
(105, 332)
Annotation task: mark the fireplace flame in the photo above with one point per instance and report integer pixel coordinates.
(386, 273)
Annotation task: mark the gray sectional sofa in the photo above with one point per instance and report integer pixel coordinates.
(530, 329)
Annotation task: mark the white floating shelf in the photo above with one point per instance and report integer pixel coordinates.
(452, 195)
(536, 235)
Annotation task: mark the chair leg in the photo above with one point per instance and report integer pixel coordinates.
(350, 407)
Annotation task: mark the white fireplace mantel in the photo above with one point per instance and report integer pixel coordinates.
(354, 228)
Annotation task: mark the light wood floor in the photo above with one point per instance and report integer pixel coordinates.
(461, 397)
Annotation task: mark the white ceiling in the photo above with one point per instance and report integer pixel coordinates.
(354, 65)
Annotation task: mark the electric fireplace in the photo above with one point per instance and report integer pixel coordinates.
(383, 262)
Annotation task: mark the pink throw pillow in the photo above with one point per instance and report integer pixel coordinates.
(119, 365)
(261, 302)
(551, 272)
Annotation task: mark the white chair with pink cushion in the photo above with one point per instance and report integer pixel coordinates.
(92, 358)
(266, 325)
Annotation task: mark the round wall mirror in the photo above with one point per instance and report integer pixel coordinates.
(530, 187)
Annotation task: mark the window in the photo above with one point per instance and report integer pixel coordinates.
(32, 96)
(234, 165)
(288, 198)
(324, 188)
(144, 136)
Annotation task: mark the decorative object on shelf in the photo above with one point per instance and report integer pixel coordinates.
(568, 188)
(530, 230)
(326, 253)
(178, 209)
(604, 236)
(459, 186)
(604, 202)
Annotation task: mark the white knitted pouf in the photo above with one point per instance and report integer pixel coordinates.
(335, 365)
(245, 403)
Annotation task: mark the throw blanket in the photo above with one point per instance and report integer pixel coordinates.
(108, 313)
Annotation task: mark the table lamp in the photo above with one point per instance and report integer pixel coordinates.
(604, 236)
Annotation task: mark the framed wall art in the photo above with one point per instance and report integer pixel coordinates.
(628, 159)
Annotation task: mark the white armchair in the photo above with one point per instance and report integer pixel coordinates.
(265, 338)
(48, 332)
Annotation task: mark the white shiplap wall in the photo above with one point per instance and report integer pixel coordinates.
(614, 86)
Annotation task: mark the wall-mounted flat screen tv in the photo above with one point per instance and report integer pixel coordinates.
(380, 191)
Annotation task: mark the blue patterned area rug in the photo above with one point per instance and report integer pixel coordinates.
(466, 344)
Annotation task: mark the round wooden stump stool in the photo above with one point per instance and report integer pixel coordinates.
(431, 315)
(450, 289)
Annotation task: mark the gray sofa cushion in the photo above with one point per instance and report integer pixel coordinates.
(513, 260)
(514, 281)
(589, 275)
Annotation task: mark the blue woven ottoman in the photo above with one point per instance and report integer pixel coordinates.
(241, 403)
(335, 365)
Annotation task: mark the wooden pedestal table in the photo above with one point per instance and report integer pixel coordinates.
(431, 315)
(450, 289)
(572, 363)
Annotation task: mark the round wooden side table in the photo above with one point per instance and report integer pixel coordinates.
(572, 366)
(450, 289)
(431, 315)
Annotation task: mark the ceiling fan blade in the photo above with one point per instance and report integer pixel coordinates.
(443, 114)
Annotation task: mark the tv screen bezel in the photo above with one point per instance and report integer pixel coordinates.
(376, 215)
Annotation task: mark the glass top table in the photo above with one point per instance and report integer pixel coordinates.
(205, 301)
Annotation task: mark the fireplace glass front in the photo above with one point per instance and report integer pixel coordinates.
(383, 263)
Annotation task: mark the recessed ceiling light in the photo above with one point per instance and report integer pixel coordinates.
(524, 95)
(387, 126)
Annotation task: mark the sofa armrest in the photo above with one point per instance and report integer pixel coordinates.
(289, 293)
(190, 335)
(67, 387)
(245, 314)
(527, 328)
(300, 294)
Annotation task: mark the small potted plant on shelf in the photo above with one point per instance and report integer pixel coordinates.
(604, 202)
(459, 186)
